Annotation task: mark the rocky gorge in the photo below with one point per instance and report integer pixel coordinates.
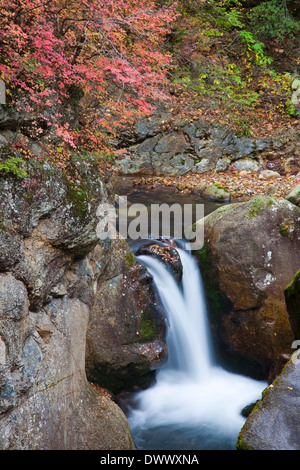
(249, 258)
(80, 317)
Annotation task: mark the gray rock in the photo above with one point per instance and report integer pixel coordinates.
(267, 174)
(247, 164)
(223, 163)
(172, 143)
(204, 166)
(294, 196)
(61, 411)
(274, 424)
(216, 147)
(60, 279)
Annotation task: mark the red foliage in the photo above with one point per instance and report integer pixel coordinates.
(111, 51)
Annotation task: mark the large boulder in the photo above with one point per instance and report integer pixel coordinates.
(250, 253)
(46, 402)
(274, 423)
(46, 221)
(278, 409)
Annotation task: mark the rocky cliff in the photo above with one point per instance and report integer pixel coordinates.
(71, 306)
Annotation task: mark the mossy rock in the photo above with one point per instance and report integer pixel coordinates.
(216, 193)
(246, 263)
(292, 298)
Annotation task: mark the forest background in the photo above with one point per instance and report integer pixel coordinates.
(79, 72)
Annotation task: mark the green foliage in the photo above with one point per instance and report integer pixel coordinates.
(254, 50)
(223, 17)
(229, 61)
(227, 86)
(279, 86)
(272, 20)
(12, 164)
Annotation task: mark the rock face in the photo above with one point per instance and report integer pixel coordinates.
(278, 409)
(294, 196)
(251, 252)
(292, 299)
(126, 329)
(163, 145)
(274, 424)
(56, 278)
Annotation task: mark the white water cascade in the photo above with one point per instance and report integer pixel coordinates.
(194, 404)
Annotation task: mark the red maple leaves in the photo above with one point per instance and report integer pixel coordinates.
(109, 51)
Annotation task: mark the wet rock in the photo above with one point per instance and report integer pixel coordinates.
(278, 407)
(168, 255)
(167, 241)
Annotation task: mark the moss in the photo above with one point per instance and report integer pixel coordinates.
(240, 445)
(221, 187)
(292, 288)
(82, 181)
(130, 258)
(259, 203)
(78, 199)
(148, 328)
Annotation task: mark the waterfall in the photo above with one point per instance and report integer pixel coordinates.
(194, 404)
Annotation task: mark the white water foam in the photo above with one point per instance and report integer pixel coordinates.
(195, 404)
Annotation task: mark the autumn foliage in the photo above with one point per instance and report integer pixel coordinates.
(100, 60)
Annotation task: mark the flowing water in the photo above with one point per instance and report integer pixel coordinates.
(194, 404)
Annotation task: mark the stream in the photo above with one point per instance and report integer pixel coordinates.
(194, 403)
